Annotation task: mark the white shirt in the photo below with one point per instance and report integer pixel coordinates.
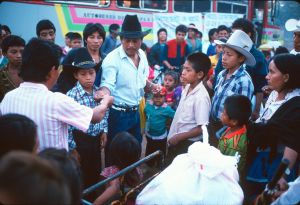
(272, 105)
(294, 52)
(52, 112)
(125, 81)
(193, 110)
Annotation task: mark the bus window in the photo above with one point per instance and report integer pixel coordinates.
(202, 6)
(128, 3)
(154, 4)
(89, 2)
(238, 6)
(194, 6)
(183, 6)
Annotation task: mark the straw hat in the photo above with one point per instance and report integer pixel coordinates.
(241, 42)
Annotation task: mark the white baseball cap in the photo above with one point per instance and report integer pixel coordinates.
(292, 25)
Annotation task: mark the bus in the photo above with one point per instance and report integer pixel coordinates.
(72, 15)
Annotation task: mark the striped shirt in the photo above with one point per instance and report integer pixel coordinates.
(87, 99)
(52, 112)
(239, 83)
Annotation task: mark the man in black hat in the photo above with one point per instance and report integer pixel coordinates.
(125, 72)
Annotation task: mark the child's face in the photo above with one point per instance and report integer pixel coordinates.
(231, 59)
(189, 75)
(76, 43)
(86, 77)
(158, 100)
(226, 121)
(169, 82)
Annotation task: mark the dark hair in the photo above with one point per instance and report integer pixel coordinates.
(44, 24)
(181, 28)
(75, 35)
(69, 167)
(211, 33)
(113, 27)
(124, 151)
(21, 133)
(144, 47)
(6, 28)
(238, 107)
(161, 30)
(28, 179)
(91, 28)
(200, 62)
(281, 49)
(221, 28)
(246, 26)
(69, 34)
(200, 34)
(289, 64)
(10, 41)
(39, 56)
(174, 75)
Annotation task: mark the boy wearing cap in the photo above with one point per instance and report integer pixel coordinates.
(234, 79)
(192, 40)
(293, 25)
(87, 144)
(157, 112)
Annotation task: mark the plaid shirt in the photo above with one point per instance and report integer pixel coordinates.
(239, 83)
(87, 99)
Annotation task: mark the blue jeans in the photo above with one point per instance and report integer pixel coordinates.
(120, 121)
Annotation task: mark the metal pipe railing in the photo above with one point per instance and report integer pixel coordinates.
(122, 172)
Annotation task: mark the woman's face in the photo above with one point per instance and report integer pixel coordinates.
(275, 78)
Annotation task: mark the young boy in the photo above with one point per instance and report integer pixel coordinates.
(233, 80)
(235, 115)
(193, 108)
(75, 40)
(157, 112)
(89, 144)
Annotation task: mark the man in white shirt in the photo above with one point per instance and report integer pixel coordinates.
(124, 76)
(293, 25)
(52, 112)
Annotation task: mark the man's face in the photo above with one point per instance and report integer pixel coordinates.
(131, 46)
(47, 34)
(14, 55)
(297, 41)
(180, 37)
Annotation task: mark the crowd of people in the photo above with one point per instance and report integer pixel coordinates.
(61, 106)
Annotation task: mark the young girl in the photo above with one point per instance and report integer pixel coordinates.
(177, 92)
(124, 151)
(157, 112)
(170, 82)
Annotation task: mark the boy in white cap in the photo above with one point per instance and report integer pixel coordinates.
(234, 79)
(293, 25)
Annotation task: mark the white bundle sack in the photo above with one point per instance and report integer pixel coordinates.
(202, 176)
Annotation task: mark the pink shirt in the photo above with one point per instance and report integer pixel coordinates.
(52, 112)
(193, 110)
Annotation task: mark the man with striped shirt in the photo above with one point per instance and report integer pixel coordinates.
(52, 112)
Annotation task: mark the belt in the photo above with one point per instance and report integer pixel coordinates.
(125, 108)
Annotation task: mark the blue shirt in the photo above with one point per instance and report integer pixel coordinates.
(87, 99)
(125, 81)
(257, 72)
(157, 118)
(198, 45)
(108, 45)
(239, 83)
(211, 50)
(179, 60)
(155, 55)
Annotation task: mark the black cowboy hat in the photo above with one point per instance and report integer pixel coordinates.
(79, 58)
(131, 28)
